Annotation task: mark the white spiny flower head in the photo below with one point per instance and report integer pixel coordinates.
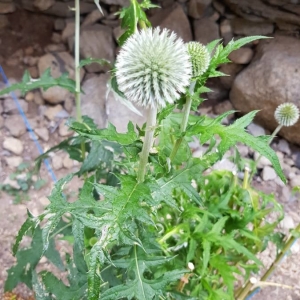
(287, 114)
(200, 57)
(153, 68)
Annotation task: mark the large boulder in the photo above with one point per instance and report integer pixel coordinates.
(272, 78)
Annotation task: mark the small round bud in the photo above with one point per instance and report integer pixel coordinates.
(191, 266)
(287, 114)
(200, 58)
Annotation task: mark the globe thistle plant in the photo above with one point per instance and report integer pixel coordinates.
(199, 57)
(287, 114)
(153, 68)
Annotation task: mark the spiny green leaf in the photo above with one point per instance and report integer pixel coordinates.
(45, 81)
(206, 255)
(38, 288)
(30, 223)
(91, 60)
(109, 134)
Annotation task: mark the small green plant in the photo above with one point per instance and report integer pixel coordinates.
(24, 178)
(150, 220)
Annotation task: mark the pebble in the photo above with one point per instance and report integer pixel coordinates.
(29, 97)
(57, 162)
(67, 162)
(13, 161)
(7, 7)
(241, 56)
(44, 200)
(15, 125)
(63, 130)
(295, 181)
(287, 222)
(262, 161)
(256, 130)
(52, 111)
(268, 173)
(42, 133)
(10, 107)
(13, 183)
(14, 145)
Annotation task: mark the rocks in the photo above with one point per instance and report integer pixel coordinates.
(95, 106)
(284, 147)
(97, 42)
(268, 173)
(7, 7)
(241, 56)
(245, 27)
(68, 162)
(174, 19)
(231, 70)
(9, 106)
(15, 125)
(295, 182)
(93, 17)
(14, 145)
(53, 111)
(206, 30)
(265, 84)
(3, 22)
(59, 9)
(59, 63)
(117, 2)
(42, 133)
(197, 8)
(287, 222)
(13, 161)
(57, 162)
(256, 130)
(43, 4)
(63, 130)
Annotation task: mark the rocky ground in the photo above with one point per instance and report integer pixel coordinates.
(36, 35)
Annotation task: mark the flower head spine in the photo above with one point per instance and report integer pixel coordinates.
(287, 114)
(153, 68)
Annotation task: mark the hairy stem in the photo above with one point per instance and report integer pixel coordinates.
(186, 113)
(150, 127)
(77, 70)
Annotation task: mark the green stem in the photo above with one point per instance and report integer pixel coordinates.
(77, 70)
(184, 122)
(245, 291)
(150, 127)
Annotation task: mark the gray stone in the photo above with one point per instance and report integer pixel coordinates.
(245, 27)
(284, 147)
(268, 173)
(3, 22)
(256, 130)
(15, 125)
(9, 106)
(116, 2)
(174, 19)
(7, 7)
(264, 85)
(42, 133)
(241, 56)
(43, 4)
(53, 112)
(295, 182)
(93, 17)
(60, 9)
(102, 110)
(287, 222)
(96, 41)
(14, 145)
(63, 130)
(68, 162)
(13, 161)
(197, 8)
(206, 30)
(57, 162)
(231, 70)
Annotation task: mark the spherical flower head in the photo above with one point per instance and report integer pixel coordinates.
(199, 56)
(153, 68)
(287, 114)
